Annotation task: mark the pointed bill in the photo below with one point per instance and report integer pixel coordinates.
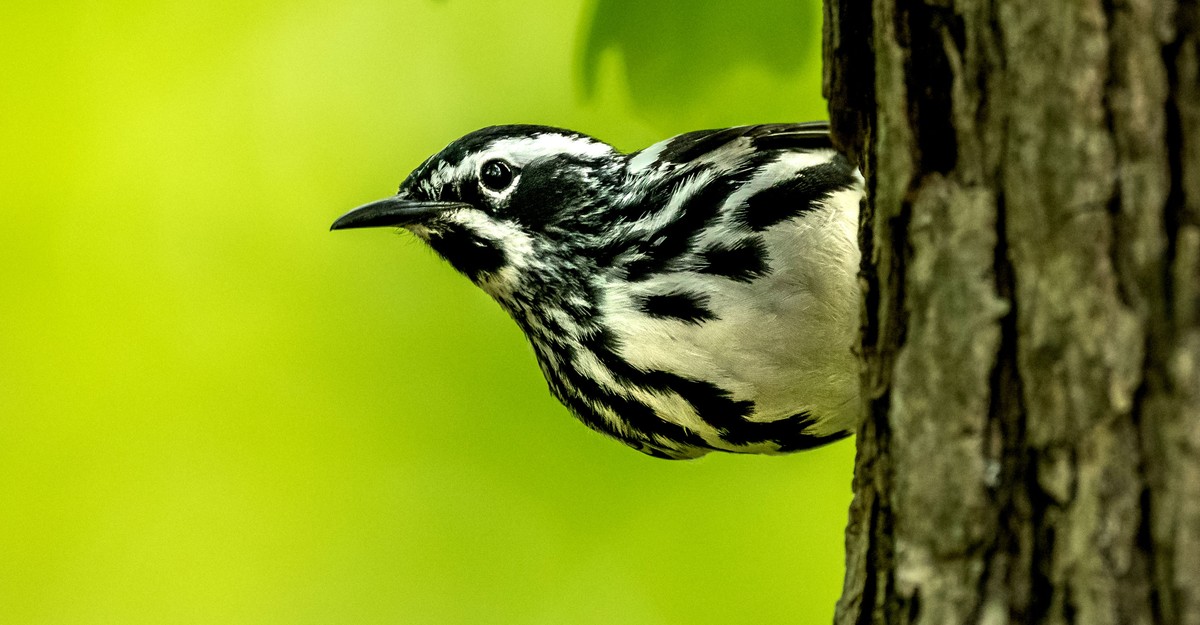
(393, 211)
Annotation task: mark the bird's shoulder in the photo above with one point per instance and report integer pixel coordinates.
(729, 144)
(704, 199)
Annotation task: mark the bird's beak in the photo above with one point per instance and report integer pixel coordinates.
(393, 211)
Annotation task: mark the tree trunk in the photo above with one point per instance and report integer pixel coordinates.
(1031, 331)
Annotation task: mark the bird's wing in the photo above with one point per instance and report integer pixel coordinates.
(691, 146)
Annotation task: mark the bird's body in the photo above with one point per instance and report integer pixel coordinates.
(698, 295)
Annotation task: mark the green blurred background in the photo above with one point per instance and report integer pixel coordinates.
(212, 410)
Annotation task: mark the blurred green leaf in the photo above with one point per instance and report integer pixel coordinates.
(674, 49)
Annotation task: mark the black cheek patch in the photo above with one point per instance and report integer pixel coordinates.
(681, 306)
(469, 253)
(545, 187)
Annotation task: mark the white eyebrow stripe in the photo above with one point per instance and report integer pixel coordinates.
(525, 149)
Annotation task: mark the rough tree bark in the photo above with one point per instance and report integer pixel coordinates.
(1031, 335)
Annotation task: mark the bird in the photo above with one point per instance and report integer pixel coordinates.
(698, 295)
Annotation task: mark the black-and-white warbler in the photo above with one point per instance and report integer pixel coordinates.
(697, 295)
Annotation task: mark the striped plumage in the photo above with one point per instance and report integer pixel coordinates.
(697, 295)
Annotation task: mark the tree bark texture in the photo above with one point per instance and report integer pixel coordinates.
(1031, 326)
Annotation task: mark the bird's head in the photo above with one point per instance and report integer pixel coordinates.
(499, 201)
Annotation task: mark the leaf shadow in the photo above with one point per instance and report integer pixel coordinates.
(674, 50)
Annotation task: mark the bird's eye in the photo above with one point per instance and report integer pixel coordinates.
(496, 175)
